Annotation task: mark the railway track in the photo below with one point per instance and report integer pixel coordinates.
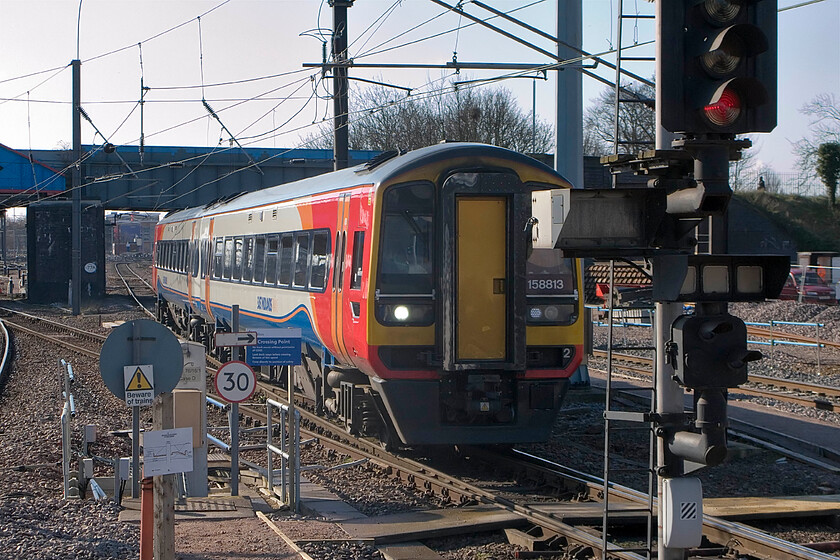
(454, 490)
(133, 282)
(582, 492)
(822, 397)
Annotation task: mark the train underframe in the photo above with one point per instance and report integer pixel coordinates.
(475, 407)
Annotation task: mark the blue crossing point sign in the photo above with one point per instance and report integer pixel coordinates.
(275, 347)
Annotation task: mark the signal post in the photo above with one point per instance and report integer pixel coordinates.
(716, 79)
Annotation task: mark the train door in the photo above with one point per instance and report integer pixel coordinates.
(340, 303)
(193, 278)
(483, 251)
(480, 278)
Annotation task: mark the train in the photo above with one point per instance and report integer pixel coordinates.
(428, 315)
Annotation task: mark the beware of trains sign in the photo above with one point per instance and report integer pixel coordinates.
(139, 385)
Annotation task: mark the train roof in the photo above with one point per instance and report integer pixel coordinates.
(379, 169)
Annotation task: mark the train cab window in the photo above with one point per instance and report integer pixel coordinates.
(301, 260)
(259, 259)
(405, 279)
(248, 259)
(218, 258)
(236, 273)
(358, 260)
(228, 257)
(284, 276)
(272, 245)
(551, 288)
(406, 254)
(320, 254)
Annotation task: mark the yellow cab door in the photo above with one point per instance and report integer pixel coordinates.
(481, 253)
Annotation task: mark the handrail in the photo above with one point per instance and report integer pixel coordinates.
(289, 452)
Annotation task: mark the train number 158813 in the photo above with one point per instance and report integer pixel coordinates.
(543, 285)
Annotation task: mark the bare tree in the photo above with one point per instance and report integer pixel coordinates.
(824, 111)
(392, 120)
(636, 118)
(740, 171)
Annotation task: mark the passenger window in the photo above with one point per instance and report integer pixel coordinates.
(194, 258)
(357, 262)
(320, 248)
(236, 274)
(301, 259)
(259, 259)
(285, 275)
(228, 257)
(248, 259)
(271, 260)
(218, 258)
(205, 258)
(336, 268)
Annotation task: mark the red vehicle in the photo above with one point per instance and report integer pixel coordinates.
(814, 289)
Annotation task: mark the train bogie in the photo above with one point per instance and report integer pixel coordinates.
(427, 314)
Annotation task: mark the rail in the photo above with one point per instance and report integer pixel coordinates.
(71, 491)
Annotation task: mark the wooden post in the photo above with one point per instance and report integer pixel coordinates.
(163, 418)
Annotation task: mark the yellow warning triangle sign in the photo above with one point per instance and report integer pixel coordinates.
(139, 382)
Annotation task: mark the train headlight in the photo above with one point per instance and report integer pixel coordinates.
(402, 314)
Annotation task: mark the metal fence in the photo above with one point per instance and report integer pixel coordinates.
(801, 184)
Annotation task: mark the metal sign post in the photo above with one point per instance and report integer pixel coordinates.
(149, 347)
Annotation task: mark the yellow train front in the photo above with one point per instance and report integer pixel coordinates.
(428, 315)
(472, 333)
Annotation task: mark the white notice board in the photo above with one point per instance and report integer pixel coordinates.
(167, 451)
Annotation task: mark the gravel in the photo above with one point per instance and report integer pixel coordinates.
(36, 524)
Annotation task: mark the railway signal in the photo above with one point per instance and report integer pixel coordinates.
(710, 351)
(719, 67)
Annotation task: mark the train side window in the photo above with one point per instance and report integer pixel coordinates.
(320, 251)
(259, 259)
(194, 258)
(336, 258)
(301, 260)
(341, 261)
(357, 263)
(248, 259)
(218, 258)
(228, 257)
(236, 273)
(182, 256)
(284, 277)
(205, 257)
(272, 246)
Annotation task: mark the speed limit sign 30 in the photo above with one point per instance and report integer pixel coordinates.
(235, 381)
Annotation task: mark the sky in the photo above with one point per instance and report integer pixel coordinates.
(245, 59)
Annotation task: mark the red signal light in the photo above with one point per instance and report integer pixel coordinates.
(725, 110)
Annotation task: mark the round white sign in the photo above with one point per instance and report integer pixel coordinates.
(90, 267)
(235, 381)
